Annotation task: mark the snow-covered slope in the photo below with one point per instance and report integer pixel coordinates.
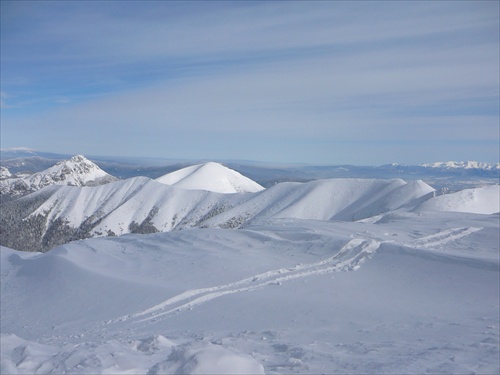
(137, 200)
(142, 205)
(485, 200)
(418, 293)
(212, 177)
(463, 165)
(335, 199)
(77, 171)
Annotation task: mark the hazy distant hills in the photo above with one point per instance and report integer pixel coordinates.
(439, 175)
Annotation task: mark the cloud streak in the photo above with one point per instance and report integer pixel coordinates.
(269, 77)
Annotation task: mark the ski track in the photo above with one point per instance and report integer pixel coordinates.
(445, 236)
(348, 258)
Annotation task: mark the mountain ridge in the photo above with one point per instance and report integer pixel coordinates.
(76, 171)
(59, 214)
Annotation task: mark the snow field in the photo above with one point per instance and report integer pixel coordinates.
(410, 293)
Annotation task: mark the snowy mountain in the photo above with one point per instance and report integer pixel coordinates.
(463, 165)
(58, 214)
(334, 199)
(212, 177)
(77, 171)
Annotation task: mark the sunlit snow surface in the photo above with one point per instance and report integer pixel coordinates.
(212, 177)
(408, 292)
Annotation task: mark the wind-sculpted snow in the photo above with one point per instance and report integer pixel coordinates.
(412, 292)
(211, 176)
(114, 357)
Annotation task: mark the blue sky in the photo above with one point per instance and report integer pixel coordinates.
(355, 82)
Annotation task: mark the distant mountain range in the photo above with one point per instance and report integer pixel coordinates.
(463, 165)
(76, 199)
(439, 175)
(30, 158)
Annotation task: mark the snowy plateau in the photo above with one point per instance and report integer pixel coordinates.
(204, 271)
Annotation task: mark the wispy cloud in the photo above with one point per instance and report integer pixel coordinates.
(272, 74)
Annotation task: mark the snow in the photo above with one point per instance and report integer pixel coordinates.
(115, 206)
(77, 171)
(333, 199)
(483, 200)
(212, 177)
(412, 292)
(329, 276)
(463, 165)
(212, 359)
(5, 173)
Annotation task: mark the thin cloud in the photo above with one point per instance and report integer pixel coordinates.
(360, 71)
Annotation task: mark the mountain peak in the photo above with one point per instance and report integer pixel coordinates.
(79, 159)
(77, 171)
(210, 176)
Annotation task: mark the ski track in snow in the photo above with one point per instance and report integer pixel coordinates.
(444, 237)
(348, 258)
